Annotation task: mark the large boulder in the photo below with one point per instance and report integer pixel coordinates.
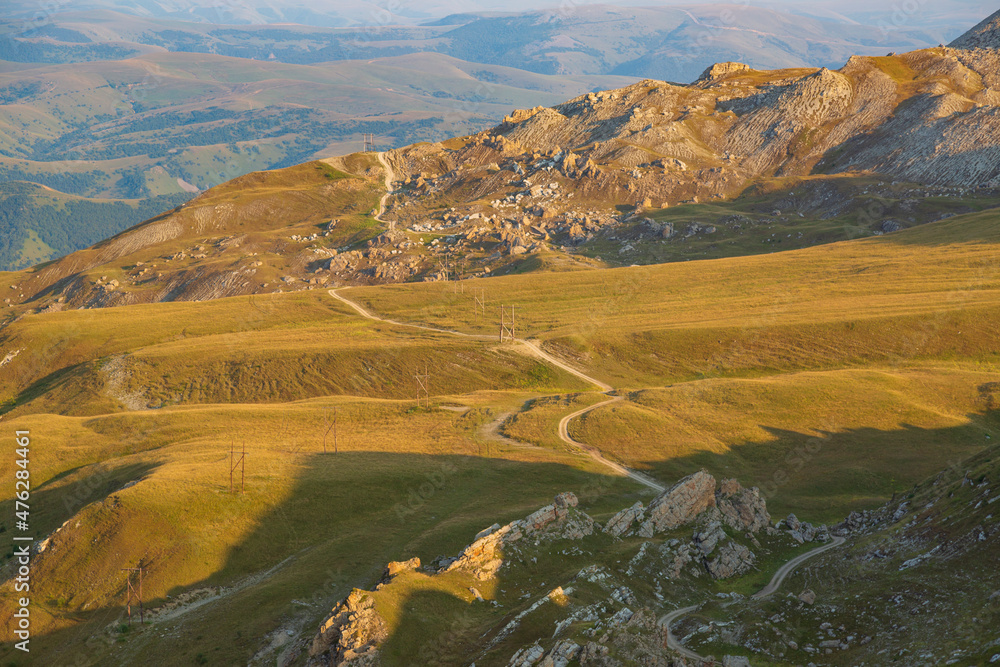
(679, 504)
(742, 509)
(351, 635)
(620, 523)
(731, 559)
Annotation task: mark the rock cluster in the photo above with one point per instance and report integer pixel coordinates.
(351, 635)
(354, 631)
(741, 509)
(803, 531)
(559, 655)
(731, 560)
(484, 557)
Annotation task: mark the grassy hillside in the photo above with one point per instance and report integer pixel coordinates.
(303, 529)
(898, 297)
(39, 224)
(831, 376)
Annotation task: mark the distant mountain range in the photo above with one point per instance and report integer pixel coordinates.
(737, 163)
(669, 43)
(102, 103)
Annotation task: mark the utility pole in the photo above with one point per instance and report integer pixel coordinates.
(479, 304)
(424, 386)
(234, 463)
(330, 427)
(506, 328)
(459, 271)
(134, 593)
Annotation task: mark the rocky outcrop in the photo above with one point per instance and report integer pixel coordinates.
(484, 557)
(742, 509)
(351, 635)
(709, 536)
(353, 632)
(739, 508)
(732, 559)
(803, 531)
(679, 504)
(620, 523)
(719, 70)
(396, 567)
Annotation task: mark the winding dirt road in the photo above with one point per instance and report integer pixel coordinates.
(672, 642)
(594, 453)
(772, 586)
(787, 568)
(531, 349)
(527, 347)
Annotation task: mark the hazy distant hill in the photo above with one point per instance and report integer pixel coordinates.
(39, 223)
(178, 381)
(98, 129)
(672, 43)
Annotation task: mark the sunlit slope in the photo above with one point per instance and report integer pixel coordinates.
(929, 292)
(234, 239)
(152, 489)
(817, 443)
(242, 350)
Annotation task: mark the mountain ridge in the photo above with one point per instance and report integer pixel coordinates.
(605, 172)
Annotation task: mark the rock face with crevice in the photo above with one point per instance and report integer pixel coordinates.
(739, 508)
(742, 509)
(351, 635)
(679, 504)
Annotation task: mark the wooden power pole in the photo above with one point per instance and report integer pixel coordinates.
(134, 593)
(506, 328)
(330, 427)
(240, 463)
(479, 304)
(424, 387)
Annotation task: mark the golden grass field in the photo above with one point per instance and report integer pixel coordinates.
(874, 357)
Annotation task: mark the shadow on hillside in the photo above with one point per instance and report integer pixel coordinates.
(75, 376)
(348, 514)
(51, 503)
(824, 477)
(345, 517)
